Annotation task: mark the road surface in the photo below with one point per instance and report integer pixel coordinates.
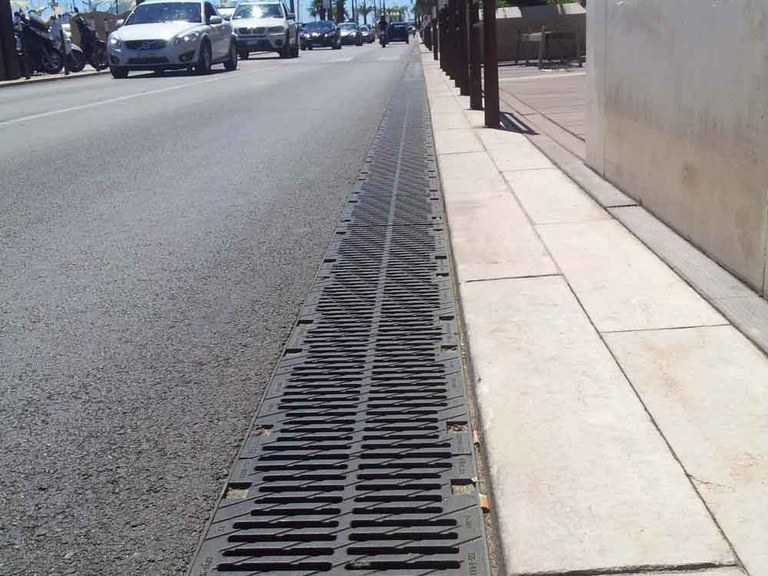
(158, 235)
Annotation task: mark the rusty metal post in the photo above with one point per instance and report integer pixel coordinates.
(475, 57)
(490, 65)
(433, 24)
(462, 46)
(450, 39)
(441, 33)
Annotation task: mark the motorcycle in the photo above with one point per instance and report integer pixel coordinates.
(94, 49)
(74, 56)
(383, 39)
(38, 49)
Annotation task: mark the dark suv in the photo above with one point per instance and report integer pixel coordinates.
(398, 32)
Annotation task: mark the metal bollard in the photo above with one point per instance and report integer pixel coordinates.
(443, 24)
(462, 47)
(433, 24)
(450, 39)
(490, 65)
(475, 57)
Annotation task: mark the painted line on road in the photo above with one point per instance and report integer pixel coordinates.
(119, 99)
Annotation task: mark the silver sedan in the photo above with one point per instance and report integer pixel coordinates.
(161, 34)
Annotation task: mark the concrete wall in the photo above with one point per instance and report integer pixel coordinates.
(677, 117)
(510, 21)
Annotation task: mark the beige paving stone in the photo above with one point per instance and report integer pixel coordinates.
(707, 388)
(448, 120)
(622, 284)
(446, 105)
(457, 140)
(724, 571)
(491, 238)
(476, 118)
(473, 173)
(581, 478)
(516, 154)
(548, 196)
(492, 138)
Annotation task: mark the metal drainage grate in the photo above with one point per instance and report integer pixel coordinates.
(360, 459)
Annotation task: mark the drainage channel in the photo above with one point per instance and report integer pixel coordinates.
(360, 459)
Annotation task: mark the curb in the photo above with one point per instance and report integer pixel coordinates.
(50, 78)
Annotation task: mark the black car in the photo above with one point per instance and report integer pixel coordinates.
(398, 32)
(322, 33)
(367, 33)
(350, 33)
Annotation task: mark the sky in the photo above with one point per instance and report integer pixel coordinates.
(109, 6)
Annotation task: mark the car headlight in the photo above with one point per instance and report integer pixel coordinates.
(186, 38)
(113, 41)
(274, 29)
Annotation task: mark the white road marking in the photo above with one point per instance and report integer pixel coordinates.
(119, 99)
(342, 59)
(387, 58)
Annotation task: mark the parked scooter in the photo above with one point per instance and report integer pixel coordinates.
(94, 49)
(38, 49)
(74, 55)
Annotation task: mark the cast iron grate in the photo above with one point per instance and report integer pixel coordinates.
(360, 459)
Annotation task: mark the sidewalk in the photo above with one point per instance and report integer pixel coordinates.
(50, 77)
(625, 420)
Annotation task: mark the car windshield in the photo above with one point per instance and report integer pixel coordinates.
(165, 12)
(257, 11)
(318, 26)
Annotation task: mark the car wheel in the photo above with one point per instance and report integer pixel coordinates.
(285, 51)
(203, 65)
(118, 72)
(231, 62)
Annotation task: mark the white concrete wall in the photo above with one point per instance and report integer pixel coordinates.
(678, 118)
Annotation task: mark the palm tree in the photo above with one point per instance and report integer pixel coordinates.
(340, 12)
(317, 9)
(363, 9)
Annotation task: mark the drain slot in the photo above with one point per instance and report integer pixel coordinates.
(360, 457)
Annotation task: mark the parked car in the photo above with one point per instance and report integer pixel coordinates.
(367, 34)
(350, 33)
(322, 33)
(398, 32)
(265, 26)
(162, 34)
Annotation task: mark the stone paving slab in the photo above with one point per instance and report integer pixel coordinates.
(708, 391)
(582, 479)
(548, 197)
(563, 427)
(621, 284)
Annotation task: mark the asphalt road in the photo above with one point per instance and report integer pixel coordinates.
(157, 237)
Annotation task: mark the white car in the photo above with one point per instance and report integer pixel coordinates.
(265, 26)
(161, 34)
